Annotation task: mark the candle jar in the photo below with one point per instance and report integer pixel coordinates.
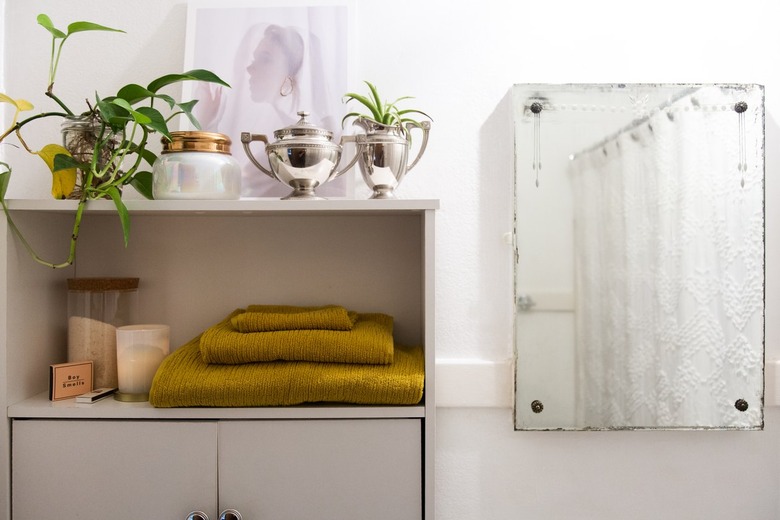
(139, 351)
(196, 165)
(96, 307)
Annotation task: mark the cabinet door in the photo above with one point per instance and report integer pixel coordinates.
(98, 470)
(322, 469)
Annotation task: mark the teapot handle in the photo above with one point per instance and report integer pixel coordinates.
(360, 143)
(426, 127)
(247, 138)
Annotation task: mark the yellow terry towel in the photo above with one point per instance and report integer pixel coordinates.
(266, 318)
(369, 341)
(185, 380)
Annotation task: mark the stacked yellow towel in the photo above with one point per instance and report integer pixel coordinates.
(292, 355)
(370, 340)
(185, 379)
(266, 318)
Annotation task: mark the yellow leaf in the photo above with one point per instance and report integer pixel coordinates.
(20, 104)
(63, 181)
(23, 105)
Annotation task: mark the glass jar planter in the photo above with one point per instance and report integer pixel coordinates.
(80, 135)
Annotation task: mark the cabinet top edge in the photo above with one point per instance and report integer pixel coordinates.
(39, 407)
(232, 207)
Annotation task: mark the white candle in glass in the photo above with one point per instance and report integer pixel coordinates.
(140, 350)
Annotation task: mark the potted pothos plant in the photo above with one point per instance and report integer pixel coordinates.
(383, 161)
(117, 130)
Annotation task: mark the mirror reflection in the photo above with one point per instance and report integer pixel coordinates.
(639, 256)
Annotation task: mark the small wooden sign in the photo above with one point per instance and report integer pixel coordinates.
(69, 379)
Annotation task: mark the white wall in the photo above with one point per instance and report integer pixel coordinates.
(459, 60)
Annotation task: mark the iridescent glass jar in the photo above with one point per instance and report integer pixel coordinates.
(196, 165)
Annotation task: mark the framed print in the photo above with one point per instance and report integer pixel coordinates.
(280, 58)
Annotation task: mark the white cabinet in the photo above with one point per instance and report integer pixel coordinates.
(331, 469)
(113, 469)
(197, 261)
(348, 469)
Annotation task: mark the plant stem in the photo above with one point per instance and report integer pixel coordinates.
(119, 157)
(173, 115)
(51, 65)
(53, 68)
(97, 152)
(58, 100)
(77, 225)
(130, 171)
(28, 247)
(20, 124)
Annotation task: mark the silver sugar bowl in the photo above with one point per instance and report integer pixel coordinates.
(303, 157)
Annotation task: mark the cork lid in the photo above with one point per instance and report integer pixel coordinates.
(102, 284)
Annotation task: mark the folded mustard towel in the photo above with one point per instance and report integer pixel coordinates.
(369, 341)
(265, 318)
(185, 380)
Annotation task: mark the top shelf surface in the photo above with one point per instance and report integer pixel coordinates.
(249, 206)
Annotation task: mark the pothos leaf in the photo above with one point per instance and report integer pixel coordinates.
(121, 209)
(168, 99)
(45, 22)
(20, 104)
(133, 93)
(63, 162)
(142, 182)
(110, 110)
(138, 116)
(5, 178)
(196, 75)
(156, 120)
(63, 178)
(88, 26)
(186, 108)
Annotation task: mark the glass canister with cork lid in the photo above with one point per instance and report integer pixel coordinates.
(196, 165)
(96, 307)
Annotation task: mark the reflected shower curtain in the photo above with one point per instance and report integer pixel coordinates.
(669, 282)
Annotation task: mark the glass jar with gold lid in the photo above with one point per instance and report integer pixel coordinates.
(196, 165)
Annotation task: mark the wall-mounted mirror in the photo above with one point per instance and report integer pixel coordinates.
(639, 256)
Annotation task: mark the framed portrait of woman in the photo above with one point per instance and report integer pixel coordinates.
(280, 58)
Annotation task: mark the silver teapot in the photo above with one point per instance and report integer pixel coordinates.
(303, 157)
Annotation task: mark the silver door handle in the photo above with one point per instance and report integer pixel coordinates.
(230, 514)
(197, 515)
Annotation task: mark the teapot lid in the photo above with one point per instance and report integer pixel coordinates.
(303, 129)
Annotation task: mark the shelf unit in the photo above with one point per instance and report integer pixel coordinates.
(199, 260)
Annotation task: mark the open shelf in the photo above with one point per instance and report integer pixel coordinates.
(197, 261)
